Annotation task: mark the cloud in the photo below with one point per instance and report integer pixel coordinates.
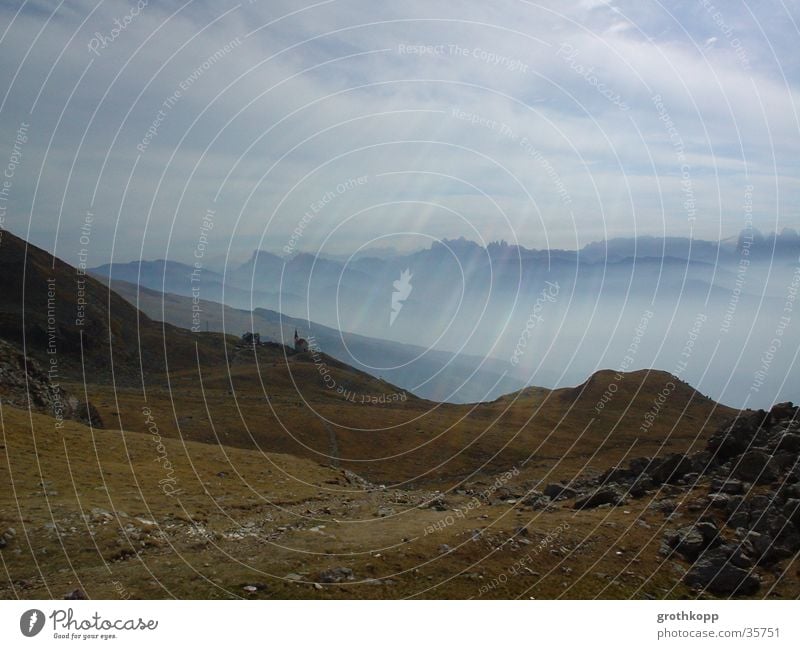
(314, 95)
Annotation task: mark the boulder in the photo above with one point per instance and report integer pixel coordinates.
(730, 486)
(558, 491)
(764, 549)
(757, 467)
(690, 541)
(639, 465)
(617, 474)
(719, 501)
(76, 594)
(687, 541)
(785, 459)
(641, 486)
(701, 462)
(783, 411)
(736, 555)
(789, 442)
(671, 468)
(791, 510)
(736, 437)
(608, 495)
(715, 573)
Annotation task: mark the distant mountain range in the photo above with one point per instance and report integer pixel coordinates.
(466, 302)
(427, 373)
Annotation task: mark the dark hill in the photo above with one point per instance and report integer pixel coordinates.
(73, 323)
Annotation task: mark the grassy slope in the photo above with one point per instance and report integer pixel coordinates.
(279, 403)
(244, 517)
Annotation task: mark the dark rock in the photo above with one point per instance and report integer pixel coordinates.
(708, 531)
(76, 594)
(789, 442)
(536, 501)
(701, 462)
(437, 503)
(719, 501)
(617, 474)
(733, 487)
(691, 540)
(783, 411)
(603, 496)
(739, 519)
(687, 541)
(89, 415)
(715, 573)
(24, 383)
(764, 549)
(737, 436)
(7, 536)
(785, 459)
(736, 555)
(737, 503)
(666, 506)
(639, 465)
(759, 503)
(507, 493)
(757, 467)
(558, 491)
(671, 468)
(791, 510)
(789, 491)
(335, 575)
(641, 486)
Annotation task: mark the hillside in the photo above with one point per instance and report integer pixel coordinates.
(432, 374)
(69, 320)
(218, 390)
(260, 472)
(141, 516)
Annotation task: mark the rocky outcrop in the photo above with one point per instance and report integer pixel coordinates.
(24, 384)
(755, 492)
(717, 574)
(692, 540)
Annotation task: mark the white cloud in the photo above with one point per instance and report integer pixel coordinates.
(328, 86)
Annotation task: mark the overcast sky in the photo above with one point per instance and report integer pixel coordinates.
(394, 123)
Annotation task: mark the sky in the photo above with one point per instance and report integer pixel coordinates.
(204, 130)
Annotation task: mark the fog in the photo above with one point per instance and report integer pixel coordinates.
(718, 316)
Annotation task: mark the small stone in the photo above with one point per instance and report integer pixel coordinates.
(76, 594)
(602, 496)
(335, 575)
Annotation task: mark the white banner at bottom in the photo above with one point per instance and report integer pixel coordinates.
(405, 624)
